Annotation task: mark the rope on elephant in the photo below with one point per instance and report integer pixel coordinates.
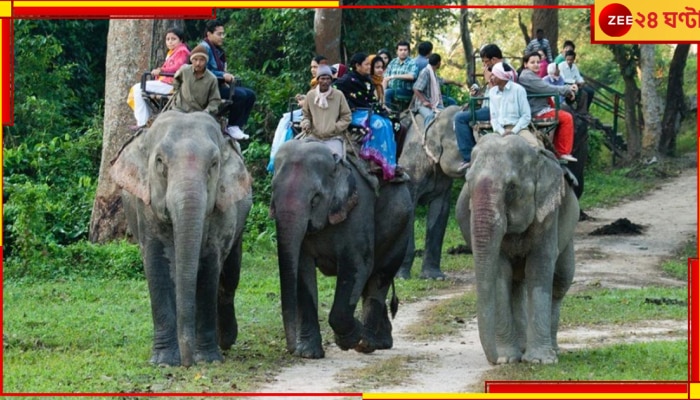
(424, 141)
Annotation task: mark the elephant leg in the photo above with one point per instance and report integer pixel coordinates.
(161, 287)
(353, 273)
(438, 214)
(207, 348)
(507, 346)
(563, 276)
(405, 269)
(227, 324)
(539, 275)
(309, 332)
(375, 315)
(519, 307)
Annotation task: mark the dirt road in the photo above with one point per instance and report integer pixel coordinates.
(455, 364)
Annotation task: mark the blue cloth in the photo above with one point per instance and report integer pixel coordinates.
(378, 145)
(465, 136)
(283, 133)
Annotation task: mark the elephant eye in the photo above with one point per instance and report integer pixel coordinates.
(160, 166)
(315, 200)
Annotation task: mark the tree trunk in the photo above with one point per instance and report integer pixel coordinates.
(651, 103)
(327, 27)
(467, 45)
(675, 101)
(548, 20)
(129, 51)
(627, 58)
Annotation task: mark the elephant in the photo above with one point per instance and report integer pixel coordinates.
(328, 215)
(431, 160)
(519, 216)
(186, 196)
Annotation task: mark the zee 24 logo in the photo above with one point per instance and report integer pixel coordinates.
(616, 19)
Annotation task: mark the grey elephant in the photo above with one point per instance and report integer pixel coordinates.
(520, 216)
(431, 159)
(328, 216)
(186, 195)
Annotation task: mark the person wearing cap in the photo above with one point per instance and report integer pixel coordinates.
(196, 88)
(509, 109)
(243, 98)
(326, 114)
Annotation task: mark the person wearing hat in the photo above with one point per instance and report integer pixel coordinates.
(509, 108)
(196, 89)
(326, 113)
(243, 99)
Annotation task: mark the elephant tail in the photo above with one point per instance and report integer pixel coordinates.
(394, 303)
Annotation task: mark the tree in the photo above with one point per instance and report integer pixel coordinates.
(651, 103)
(327, 26)
(467, 45)
(547, 19)
(129, 44)
(627, 58)
(675, 101)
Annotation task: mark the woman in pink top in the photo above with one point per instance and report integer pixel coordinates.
(178, 55)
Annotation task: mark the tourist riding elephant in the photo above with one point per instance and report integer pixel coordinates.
(186, 195)
(327, 215)
(519, 215)
(431, 160)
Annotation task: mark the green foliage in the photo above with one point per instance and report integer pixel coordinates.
(653, 361)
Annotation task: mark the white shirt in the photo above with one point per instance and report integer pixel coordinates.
(571, 73)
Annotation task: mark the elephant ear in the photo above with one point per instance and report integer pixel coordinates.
(550, 187)
(235, 183)
(344, 197)
(130, 170)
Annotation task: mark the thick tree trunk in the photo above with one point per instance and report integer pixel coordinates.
(327, 26)
(627, 58)
(651, 103)
(675, 101)
(548, 20)
(129, 54)
(467, 45)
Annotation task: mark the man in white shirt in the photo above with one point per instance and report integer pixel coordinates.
(569, 71)
(509, 108)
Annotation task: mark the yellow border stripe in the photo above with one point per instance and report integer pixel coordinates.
(5, 9)
(172, 4)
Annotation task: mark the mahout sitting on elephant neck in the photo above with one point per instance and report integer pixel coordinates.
(186, 195)
(328, 216)
(519, 217)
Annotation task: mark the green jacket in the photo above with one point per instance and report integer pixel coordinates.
(196, 94)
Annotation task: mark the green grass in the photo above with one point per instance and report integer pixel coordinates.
(677, 266)
(661, 360)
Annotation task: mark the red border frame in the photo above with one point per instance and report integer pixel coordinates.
(491, 387)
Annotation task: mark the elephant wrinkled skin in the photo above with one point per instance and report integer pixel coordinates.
(186, 195)
(432, 165)
(519, 216)
(328, 216)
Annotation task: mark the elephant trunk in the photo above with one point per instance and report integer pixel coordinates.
(488, 224)
(187, 206)
(291, 229)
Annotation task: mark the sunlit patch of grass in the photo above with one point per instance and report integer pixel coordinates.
(390, 372)
(655, 361)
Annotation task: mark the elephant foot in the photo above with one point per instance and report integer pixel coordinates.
(228, 334)
(508, 355)
(403, 273)
(365, 346)
(544, 355)
(350, 340)
(432, 273)
(310, 348)
(208, 356)
(166, 357)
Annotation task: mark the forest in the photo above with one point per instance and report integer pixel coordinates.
(53, 155)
